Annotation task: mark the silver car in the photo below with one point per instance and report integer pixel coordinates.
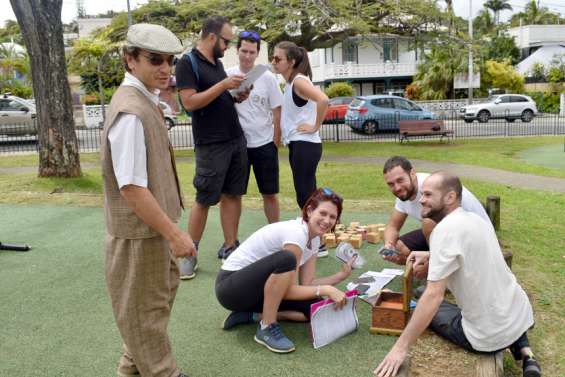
(17, 116)
(503, 106)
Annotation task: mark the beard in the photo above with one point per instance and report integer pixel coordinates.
(217, 51)
(435, 213)
(409, 192)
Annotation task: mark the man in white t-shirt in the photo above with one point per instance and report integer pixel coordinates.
(492, 312)
(259, 117)
(406, 184)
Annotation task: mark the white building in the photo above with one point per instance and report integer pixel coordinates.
(529, 38)
(373, 64)
(87, 25)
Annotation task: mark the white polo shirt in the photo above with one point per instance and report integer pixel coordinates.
(495, 310)
(255, 115)
(270, 239)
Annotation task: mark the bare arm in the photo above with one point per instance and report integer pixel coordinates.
(425, 310)
(192, 100)
(392, 230)
(143, 203)
(277, 125)
(310, 92)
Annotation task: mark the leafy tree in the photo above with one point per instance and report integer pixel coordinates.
(484, 23)
(11, 32)
(12, 63)
(503, 76)
(434, 77)
(339, 89)
(42, 31)
(497, 6)
(535, 15)
(537, 71)
(501, 47)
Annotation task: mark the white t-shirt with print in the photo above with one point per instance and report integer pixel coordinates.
(413, 207)
(495, 309)
(270, 239)
(255, 115)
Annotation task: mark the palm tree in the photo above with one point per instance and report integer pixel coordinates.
(483, 22)
(534, 15)
(14, 64)
(496, 6)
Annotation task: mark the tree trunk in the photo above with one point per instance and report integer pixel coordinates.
(42, 30)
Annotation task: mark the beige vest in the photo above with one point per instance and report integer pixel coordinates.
(162, 179)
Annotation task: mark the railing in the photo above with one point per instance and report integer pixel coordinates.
(376, 129)
(347, 71)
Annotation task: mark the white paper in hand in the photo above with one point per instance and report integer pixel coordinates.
(250, 78)
(345, 252)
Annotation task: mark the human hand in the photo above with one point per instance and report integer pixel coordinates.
(399, 257)
(306, 128)
(182, 246)
(233, 81)
(420, 263)
(391, 363)
(338, 297)
(347, 267)
(242, 96)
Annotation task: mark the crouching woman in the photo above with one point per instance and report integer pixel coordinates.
(271, 276)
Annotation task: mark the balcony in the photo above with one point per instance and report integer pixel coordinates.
(362, 71)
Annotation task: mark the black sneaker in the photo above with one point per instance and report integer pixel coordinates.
(530, 367)
(237, 318)
(225, 251)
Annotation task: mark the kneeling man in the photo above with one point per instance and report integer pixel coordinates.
(492, 311)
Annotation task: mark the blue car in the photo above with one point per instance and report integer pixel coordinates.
(370, 114)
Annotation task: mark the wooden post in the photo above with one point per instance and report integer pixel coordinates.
(493, 210)
(489, 365)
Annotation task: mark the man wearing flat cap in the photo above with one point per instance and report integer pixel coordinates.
(143, 202)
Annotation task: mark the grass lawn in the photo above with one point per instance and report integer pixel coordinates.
(56, 318)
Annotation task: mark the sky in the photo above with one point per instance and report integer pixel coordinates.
(93, 7)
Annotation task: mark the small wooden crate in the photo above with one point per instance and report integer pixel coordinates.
(391, 312)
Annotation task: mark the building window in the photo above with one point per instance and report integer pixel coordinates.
(330, 55)
(390, 50)
(350, 51)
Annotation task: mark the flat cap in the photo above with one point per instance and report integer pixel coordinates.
(154, 38)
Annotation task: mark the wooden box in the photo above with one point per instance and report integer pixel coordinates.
(343, 238)
(356, 241)
(391, 312)
(373, 237)
(329, 240)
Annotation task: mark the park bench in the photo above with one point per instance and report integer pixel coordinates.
(427, 127)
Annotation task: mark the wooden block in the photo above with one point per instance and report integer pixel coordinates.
(330, 240)
(356, 241)
(381, 231)
(340, 227)
(489, 365)
(338, 233)
(373, 237)
(343, 238)
(354, 224)
(372, 228)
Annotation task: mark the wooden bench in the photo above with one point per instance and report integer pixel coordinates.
(426, 127)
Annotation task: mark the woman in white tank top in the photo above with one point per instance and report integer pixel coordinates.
(303, 110)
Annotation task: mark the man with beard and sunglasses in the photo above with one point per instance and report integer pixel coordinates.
(143, 202)
(404, 183)
(219, 143)
(492, 311)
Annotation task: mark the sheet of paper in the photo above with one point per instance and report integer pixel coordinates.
(250, 78)
(380, 280)
(328, 324)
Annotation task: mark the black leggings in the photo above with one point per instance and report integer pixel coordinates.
(304, 157)
(447, 324)
(243, 290)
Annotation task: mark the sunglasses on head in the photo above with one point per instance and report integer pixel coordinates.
(329, 193)
(157, 59)
(251, 35)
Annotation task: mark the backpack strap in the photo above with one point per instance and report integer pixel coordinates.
(194, 64)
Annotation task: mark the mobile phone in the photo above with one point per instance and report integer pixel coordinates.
(387, 252)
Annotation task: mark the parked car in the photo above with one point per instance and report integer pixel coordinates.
(337, 108)
(170, 115)
(370, 114)
(17, 116)
(503, 106)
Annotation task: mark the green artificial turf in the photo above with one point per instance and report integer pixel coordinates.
(57, 319)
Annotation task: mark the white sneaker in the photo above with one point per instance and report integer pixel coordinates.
(322, 251)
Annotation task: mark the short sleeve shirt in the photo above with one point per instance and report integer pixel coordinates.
(495, 310)
(270, 239)
(255, 115)
(218, 121)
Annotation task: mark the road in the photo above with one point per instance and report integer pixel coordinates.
(181, 135)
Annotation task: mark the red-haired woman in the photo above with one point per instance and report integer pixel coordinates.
(271, 276)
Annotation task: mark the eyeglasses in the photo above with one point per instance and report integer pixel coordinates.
(157, 59)
(227, 42)
(276, 59)
(251, 35)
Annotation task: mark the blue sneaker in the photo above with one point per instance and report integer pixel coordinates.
(225, 251)
(188, 267)
(237, 318)
(273, 338)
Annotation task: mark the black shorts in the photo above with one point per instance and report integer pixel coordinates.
(447, 324)
(415, 240)
(265, 162)
(243, 290)
(221, 168)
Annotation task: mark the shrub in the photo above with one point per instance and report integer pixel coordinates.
(546, 102)
(339, 89)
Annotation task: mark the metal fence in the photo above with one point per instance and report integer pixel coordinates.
(21, 139)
